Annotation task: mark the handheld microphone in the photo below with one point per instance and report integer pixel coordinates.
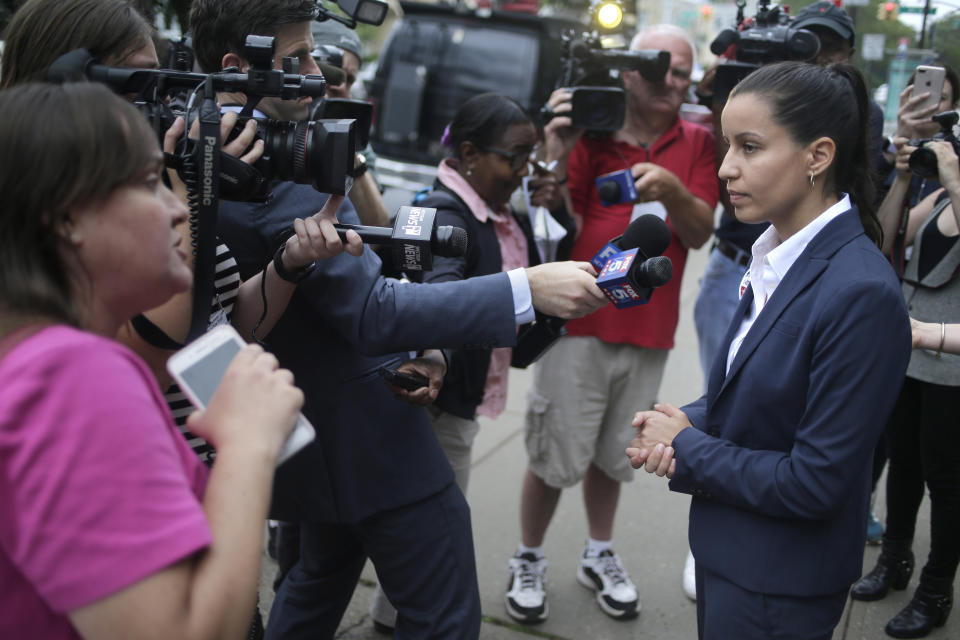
(647, 237)
(628, 280)
(415, 238)
(616, 187)
(648, 233)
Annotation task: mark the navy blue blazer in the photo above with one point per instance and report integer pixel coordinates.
(372, 452)
(779, 458)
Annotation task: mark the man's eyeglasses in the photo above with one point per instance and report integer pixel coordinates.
(517, 159)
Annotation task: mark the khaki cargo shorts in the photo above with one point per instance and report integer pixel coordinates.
(581, 405)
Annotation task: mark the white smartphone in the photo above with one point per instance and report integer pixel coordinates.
(929, 80)
(200, 365)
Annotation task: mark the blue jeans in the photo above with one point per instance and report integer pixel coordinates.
(716, 303)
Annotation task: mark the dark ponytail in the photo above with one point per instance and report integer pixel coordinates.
(811, 102)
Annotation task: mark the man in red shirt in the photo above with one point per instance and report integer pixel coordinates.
(588, 386)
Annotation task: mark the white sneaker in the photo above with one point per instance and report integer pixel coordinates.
(616, 594)
(690, 577)
(526, 597)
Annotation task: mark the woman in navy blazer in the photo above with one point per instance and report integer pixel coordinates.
(777, 453)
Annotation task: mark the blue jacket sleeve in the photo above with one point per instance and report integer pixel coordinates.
(860, 352)
(383, 315)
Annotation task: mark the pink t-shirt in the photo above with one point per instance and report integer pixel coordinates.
(97, 488)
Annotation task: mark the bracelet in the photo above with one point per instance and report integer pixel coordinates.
(943, 337)
(286, 274)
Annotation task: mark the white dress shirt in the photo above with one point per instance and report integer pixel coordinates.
(772, 260)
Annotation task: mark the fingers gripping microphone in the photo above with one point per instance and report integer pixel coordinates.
(415, 238)
(646, 236)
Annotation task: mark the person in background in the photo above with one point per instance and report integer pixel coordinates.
(588, 384)
(339, 46)
(924, 429)
(491, 139)
(777, 453)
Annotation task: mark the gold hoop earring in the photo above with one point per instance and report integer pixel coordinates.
(811, 181)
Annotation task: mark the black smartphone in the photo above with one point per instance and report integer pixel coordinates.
(408, 381)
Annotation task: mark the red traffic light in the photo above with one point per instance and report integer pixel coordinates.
(890, 6)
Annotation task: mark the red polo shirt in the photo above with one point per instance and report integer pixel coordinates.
(686, 150)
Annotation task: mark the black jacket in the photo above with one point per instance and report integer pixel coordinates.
(466, 375)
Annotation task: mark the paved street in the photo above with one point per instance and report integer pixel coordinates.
(650, 534)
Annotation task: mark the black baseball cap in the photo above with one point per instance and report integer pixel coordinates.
(826, 14)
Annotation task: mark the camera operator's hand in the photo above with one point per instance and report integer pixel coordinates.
(315, 238)
(653, 182)
(913, 121)
(904, 150)
(565, 289)
(431, 365)
(170, 138)
(253, 408)
(948, 167)
(545, 189)
(559, 135)
(242, 142)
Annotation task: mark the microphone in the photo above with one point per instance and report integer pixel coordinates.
(648, 233)
(646, 237)
(415, 238)
(616, 187)
(628, 280)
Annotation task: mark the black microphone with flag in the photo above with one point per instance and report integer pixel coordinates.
(648, 233)
(415, 238)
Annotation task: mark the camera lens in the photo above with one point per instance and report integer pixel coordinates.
(315, 152)
(923, 162)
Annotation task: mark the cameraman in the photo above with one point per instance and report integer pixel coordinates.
(580, 406)
(375, 483)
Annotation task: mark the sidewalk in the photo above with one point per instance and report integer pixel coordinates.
(650, 534)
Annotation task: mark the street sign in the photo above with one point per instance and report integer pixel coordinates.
(872, 46)
(930, 11)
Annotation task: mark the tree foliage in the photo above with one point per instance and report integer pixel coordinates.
(945, 38)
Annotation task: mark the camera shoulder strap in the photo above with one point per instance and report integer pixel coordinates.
(898, 249)
(204, 202)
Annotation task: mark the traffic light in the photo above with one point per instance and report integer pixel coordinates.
(607, 14)
(888, 11)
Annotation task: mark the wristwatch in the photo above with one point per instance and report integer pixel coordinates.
(359, 166)
(286, 274)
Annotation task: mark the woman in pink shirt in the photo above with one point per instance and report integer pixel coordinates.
(109, 526)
